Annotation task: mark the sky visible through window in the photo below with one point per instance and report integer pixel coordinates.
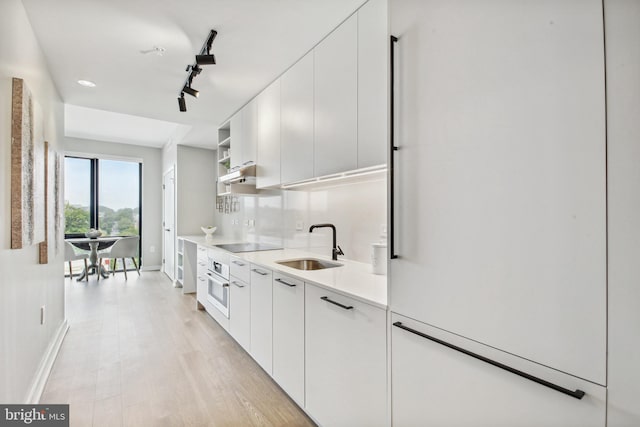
(119, 183)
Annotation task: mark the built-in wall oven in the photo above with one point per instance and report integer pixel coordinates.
(218, 281)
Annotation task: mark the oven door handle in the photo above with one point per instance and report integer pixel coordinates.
(215, 280)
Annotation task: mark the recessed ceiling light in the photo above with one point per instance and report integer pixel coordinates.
(86, 83)
(158, 50)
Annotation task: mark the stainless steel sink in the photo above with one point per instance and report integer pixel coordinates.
(308, 264)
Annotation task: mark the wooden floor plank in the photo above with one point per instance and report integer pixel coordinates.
(138, 353)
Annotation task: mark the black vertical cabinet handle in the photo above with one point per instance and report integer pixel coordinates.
(392, 150)
(577, 394)
(346, 307)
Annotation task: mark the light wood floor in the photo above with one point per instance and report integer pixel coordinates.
(138, 353)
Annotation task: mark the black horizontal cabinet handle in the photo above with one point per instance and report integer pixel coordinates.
(260, 272)
(346, 307)
(241, 264)
(291, 285)
(578, 394)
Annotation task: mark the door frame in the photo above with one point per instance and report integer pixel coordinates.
(171, 171)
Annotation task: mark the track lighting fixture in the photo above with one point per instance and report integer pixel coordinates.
(207, 58)
(190, 91)
(204, 57)
(187, 88)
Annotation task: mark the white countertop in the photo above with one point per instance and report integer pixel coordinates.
(354, 279)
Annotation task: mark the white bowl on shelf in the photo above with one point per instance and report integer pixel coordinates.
(208, 232)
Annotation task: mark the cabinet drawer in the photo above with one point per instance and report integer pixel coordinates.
(432, 382)
(240, 268)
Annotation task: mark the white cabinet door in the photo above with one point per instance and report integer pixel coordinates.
(296, 89)
(288, 335)
(249, 140)
(237, 138)
(240, 312)
(336, 100)
(261, 317)
(268, 160)
(373, 42)
(433, 385)
(500, 176)
(346, 368)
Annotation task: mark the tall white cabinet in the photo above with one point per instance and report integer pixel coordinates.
(336, 100)
(502, 160)
(500, 198)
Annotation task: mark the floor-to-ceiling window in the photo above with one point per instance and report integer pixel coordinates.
(102, 194)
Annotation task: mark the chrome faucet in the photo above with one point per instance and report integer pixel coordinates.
(336, 250)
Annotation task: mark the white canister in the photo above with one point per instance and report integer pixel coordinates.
(379, 258)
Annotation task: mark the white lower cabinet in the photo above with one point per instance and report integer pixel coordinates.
(345, 349)
(288, 335)
(240, 312)
(434, 385)
(261, 317)
(201, 275)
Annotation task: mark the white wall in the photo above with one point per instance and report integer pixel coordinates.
(25, 285)
(195, 189)
(358, 211)
(622, 35)
(151, 188)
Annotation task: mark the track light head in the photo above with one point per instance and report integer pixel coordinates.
(181, 103)
(190, 91)
(206, 59)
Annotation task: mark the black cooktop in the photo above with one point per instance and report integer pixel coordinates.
(247, 247)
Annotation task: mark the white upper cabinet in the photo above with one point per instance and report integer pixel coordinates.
(372, 83)
(500, 195)
(297, 121)
(336, 100)
(249, 139)
(237, 136)
(268, 159)
(244, 135)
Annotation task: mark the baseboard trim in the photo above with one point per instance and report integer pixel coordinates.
(151, 268)
(46, 364)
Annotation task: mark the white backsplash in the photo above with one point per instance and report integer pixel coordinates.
(359, 212)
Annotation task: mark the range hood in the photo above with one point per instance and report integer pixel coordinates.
(245, 174)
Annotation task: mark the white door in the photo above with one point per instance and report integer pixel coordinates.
(500, 176)
(168, 223)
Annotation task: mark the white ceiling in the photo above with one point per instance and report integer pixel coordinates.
(102, 40)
